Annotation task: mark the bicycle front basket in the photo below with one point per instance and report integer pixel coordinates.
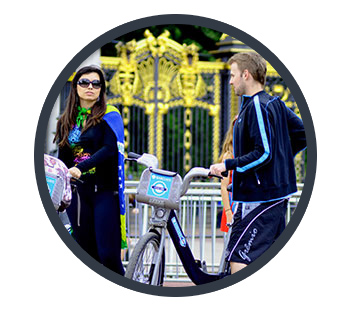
(159, 188)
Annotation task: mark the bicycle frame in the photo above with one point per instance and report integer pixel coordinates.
(192, 268)
(163, 193)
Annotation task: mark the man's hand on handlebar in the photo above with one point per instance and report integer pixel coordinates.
(217, 169)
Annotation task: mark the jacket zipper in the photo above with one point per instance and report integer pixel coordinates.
(258, 180)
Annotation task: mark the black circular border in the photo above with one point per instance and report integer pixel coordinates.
(164, 20)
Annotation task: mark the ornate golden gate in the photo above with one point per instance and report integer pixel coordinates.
(170, 100)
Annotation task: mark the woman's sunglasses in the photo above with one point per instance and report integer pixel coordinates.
(85, 83)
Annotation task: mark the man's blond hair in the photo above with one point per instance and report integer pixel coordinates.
(254, 63)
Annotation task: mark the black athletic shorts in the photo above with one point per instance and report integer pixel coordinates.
(253, 234)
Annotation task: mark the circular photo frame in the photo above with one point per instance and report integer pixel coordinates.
(160, 20)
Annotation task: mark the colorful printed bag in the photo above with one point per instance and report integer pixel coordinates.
(58, 181)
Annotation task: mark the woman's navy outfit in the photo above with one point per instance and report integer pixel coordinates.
(266, 137)
(94, 212)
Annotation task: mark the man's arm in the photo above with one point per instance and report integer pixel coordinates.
(259, 136)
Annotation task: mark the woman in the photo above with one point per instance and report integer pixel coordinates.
(227, 153)
(91, 143)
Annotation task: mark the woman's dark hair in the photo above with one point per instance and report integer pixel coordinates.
(68, 118)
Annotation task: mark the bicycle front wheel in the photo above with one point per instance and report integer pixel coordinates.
(141, 266)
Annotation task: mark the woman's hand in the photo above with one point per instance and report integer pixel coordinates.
(75, 172)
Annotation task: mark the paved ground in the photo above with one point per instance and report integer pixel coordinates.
(178, 284)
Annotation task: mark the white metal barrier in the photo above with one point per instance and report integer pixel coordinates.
(199, 216)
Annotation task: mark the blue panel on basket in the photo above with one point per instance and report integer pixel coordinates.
(51, 182)
(159, 186)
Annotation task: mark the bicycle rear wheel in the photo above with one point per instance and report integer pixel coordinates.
(141, 266)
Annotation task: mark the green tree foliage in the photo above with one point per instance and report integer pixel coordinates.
(204, 38)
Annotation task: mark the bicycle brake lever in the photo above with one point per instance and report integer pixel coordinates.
(133, 156)
(213, 175)
(130, 160)
(223, 174)
(77, 179)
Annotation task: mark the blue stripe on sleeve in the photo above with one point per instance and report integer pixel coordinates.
(263, 136)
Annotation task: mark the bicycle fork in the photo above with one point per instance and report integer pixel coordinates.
(223, 263)
(159, 220)
(155, 275)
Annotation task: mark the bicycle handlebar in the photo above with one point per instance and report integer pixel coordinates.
(194, 172)
(151, 162)
(145, 159)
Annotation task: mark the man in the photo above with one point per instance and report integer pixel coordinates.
(266, 137)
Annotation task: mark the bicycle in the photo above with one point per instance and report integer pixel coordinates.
(163, 189)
